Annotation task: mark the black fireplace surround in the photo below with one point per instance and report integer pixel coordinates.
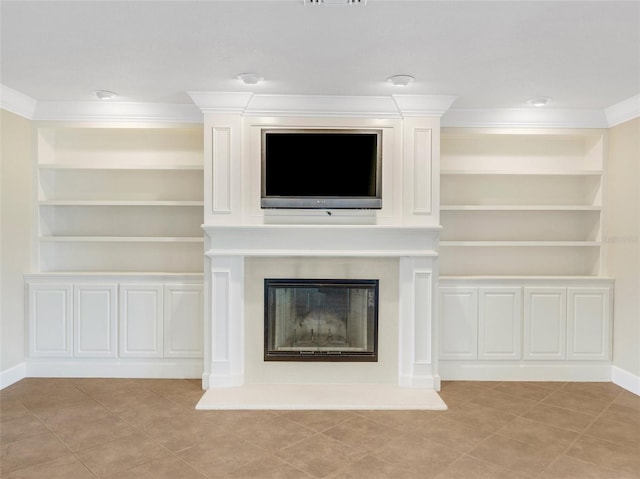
(321, 320)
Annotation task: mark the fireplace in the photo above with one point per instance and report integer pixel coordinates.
(321, 320)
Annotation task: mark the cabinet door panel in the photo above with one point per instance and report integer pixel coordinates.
(589, 327)
(458, 323)
(183, 321)
(50, 320)
(500, 323)
(94, 320)
(141, 325)
(545, 323)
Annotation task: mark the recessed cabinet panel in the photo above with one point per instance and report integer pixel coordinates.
(458, 323)
(545, 323)
(589, 331)
(50, 320)
(183, 321)
(95, 316)
(499, 323)
(141, 324)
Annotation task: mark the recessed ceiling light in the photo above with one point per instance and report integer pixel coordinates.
(539, 102)
(249, 78)
(401, 80)
(104, 94)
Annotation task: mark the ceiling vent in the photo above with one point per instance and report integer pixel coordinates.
(335, 2)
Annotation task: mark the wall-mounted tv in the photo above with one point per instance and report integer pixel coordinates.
(321, 168)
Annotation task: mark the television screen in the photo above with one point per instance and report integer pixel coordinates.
(321, 168)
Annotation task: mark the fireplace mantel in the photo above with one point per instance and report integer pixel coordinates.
(227, 247)
(321, 240)
(398, 242)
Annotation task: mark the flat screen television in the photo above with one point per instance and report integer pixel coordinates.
(322, 168)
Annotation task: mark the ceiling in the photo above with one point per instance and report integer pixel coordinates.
(584, 55)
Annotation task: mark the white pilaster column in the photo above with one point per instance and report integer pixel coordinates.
(416, 328)
(227, 322)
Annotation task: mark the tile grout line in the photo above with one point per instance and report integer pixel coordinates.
(580, 436)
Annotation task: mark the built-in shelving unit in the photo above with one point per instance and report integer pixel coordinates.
(521, 202)
(120, 199)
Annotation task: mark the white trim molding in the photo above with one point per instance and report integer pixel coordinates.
(525, 118)
(394, 106)
(623, 111)
(122, 368)
(16, 102)
(625, 379)
(117, 111)
(13, 375)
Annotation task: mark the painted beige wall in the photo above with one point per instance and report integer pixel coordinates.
(15, 233)
(621, 236)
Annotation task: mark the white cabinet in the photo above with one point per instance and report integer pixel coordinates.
(183, 328)
(525, 328)
(50, 320)
(458, 323)
(95, 320)
(115, 317)
(141, 321)
(589, 328)
(499, 323)
(545, 323)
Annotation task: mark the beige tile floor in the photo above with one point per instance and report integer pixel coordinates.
(143, 429)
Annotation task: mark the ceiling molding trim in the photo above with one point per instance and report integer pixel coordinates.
(394, 106)
(525, 118)
(117, 111)
(322, 106)
(220, 101)
(623, 111)
(16, 102)
(423, 105)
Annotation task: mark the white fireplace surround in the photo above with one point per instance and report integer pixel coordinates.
(229, 246)
(405, 231)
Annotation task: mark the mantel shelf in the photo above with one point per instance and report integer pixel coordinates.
(320, 253)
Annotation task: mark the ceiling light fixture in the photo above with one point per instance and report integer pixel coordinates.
(249, 78)
(401, 80)
(539, 102)
(104, 94)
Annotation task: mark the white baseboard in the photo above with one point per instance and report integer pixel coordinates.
(147, 368)
(625, 380)
(517, 371)
(12, 375)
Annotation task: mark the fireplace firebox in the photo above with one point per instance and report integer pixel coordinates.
(321, 320)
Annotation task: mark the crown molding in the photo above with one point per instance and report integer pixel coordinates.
(220, 101)
(623, 111)
(394, 106)
(525, 118)
(423, 105)
(16, 102)
(246, 103)
(117, 111)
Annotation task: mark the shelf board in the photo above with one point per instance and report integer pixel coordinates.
(522, 173)
(572, 244)
(81, 167)
(120, 203)
(122, 239)
(519, 208)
